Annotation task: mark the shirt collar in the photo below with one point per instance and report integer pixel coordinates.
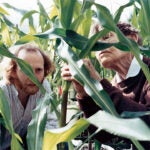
(133, 69)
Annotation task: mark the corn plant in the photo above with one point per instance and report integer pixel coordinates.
(66, 31)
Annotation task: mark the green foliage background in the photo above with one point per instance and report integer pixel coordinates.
(65, 30)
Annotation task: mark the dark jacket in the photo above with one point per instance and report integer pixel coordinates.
(132, 94)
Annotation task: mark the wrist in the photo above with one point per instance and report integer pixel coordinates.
(81, 95)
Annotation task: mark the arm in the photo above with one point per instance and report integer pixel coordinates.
(121, 102)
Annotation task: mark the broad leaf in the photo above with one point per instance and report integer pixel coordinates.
(5, 111)
(144, 20)
(121, 127)
(81, 74)
(67, 133)
(5, 34)
(66, 12)
(120, 10)
(6, 114)
(36, 127)
(127, 114)
(25, 39)
(105, 17)
(44, 20)
(3, 11)
(27, 15)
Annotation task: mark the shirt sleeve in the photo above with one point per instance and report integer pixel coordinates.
(121, 102)
(52, 121)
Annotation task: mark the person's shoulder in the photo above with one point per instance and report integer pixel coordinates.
(5, 86)
(2, 83)
(46, 85)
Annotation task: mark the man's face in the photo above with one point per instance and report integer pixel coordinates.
(35, 59)
(110, 56)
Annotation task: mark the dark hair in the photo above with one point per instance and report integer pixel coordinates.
(128, 29)
(10, 65)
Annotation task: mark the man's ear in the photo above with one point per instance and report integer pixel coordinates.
(14, 70)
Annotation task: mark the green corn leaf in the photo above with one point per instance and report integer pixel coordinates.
(120, 10)
(127, 114)
(5, 111)
(69, 36)
(90, 43)
(66, 12)
(28, 15)
(121, 127)
(86, 5)
(78, 41)
(25, 39)
(5, 34)
(134, 19)
(43, 11)
(4, 51)
(21, 11)
(77, 11)
(8, 22)
(6, 114)
(44, 20)
(36, 127)
(144, 16)
(105, 17)
(80, 72)
(15, 145)
(82, 24)
(3, 11)
(76, 23)
(67, 133)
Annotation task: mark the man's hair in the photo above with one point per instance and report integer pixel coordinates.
(126, 28)
(10, 65)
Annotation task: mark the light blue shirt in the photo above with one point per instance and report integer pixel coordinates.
(22, 116)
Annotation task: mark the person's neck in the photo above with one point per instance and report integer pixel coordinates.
(22, 95)
(122, 66)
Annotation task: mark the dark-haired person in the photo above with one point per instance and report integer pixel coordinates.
(21, 92)
(129, 89)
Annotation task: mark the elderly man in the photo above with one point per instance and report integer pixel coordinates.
(21, 92)
(129, 89)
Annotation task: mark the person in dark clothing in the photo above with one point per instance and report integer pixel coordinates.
(129, 89)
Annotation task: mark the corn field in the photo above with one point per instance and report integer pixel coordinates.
(65, 30)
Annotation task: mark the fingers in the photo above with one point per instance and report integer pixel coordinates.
(88, 64)
(94, 74)
(65, 73)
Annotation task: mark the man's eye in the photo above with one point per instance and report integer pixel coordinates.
(39, 70)
(105, 37)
